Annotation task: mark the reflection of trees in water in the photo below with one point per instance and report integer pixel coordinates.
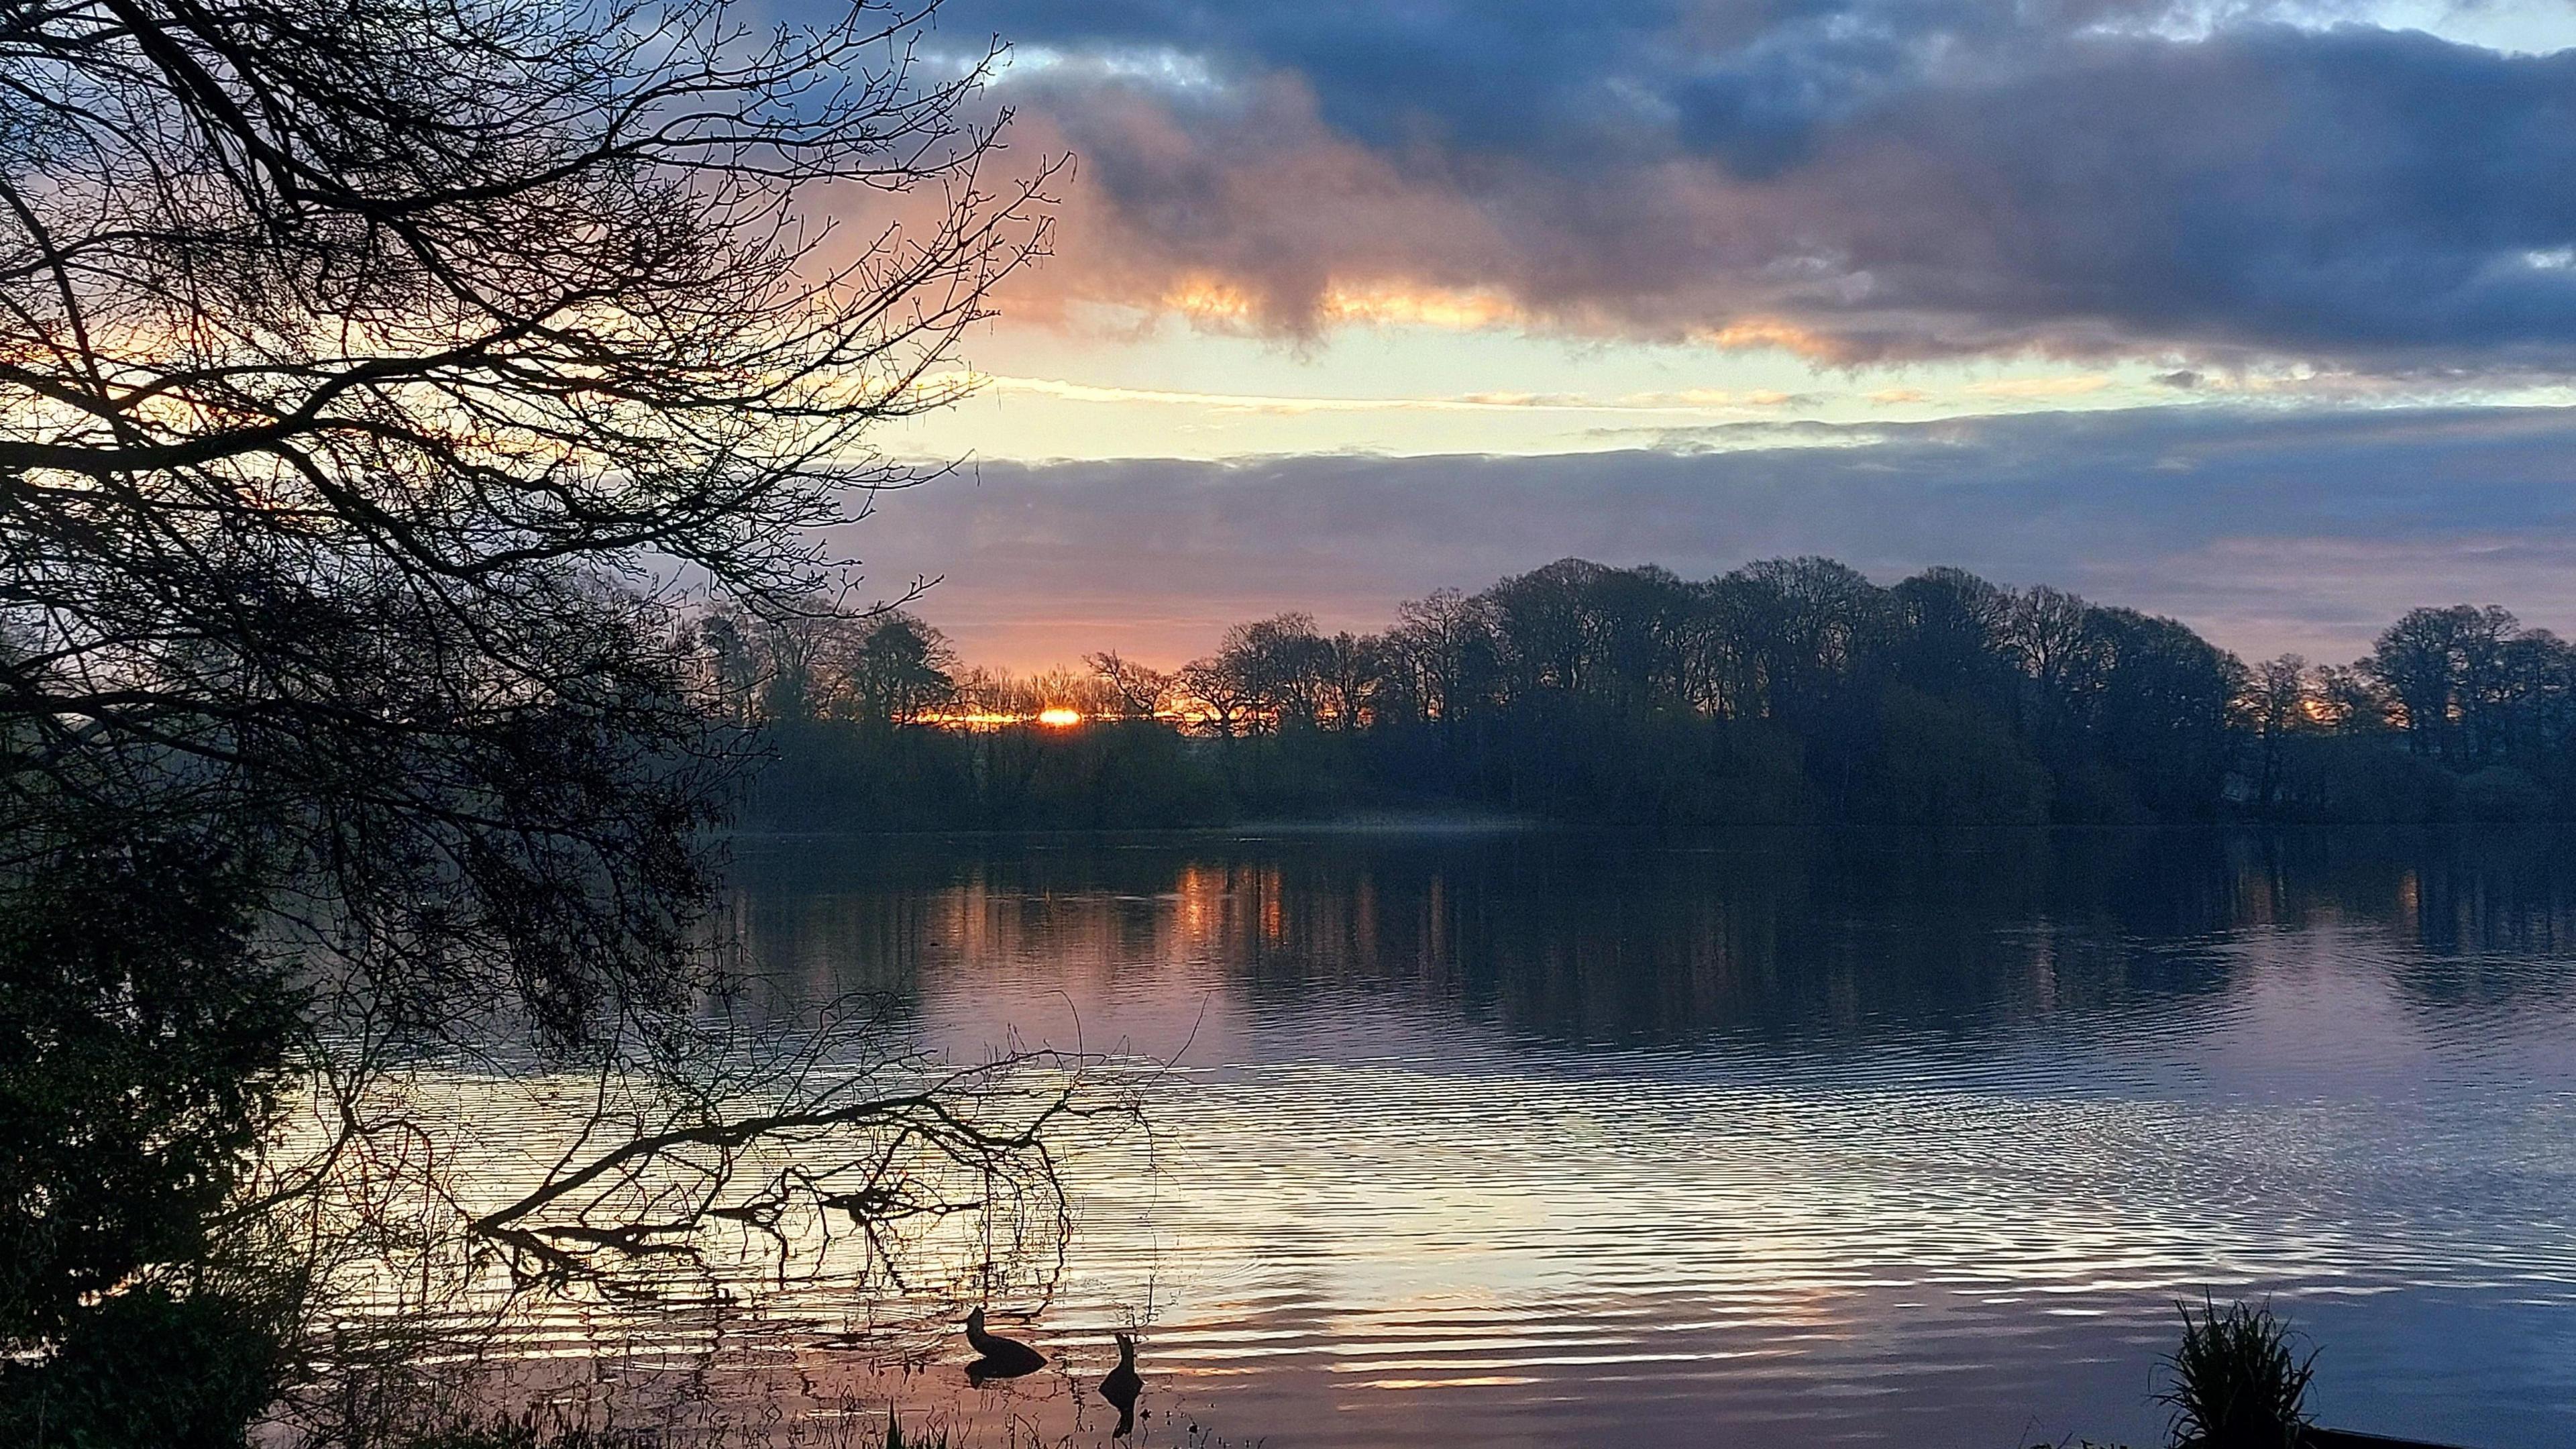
(2445, 891)
(1576, 936)
(1786, 935)
(2488, 911)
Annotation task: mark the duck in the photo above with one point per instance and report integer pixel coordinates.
(998, 1357)
(1123, 1385)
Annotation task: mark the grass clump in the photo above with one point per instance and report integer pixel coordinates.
(526, 1431)
(2239, 1381)
(553, 1430)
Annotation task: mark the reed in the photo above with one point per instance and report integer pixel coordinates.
(543, 1431)
(2238, 1380)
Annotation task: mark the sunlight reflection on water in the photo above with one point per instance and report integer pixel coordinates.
(1758, 1141)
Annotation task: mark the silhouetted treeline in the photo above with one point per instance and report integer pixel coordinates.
(1789, 691)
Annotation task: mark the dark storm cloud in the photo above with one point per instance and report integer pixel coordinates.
(2269, 530)
(1899, 177)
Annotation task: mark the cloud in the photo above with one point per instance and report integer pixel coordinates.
(2039, 387)
(1854, 180)
(1694, 402)
(2269, 529)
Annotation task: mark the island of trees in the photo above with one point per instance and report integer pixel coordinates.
(1790, 691)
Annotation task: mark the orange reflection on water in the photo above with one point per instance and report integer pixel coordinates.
(1698, 1147)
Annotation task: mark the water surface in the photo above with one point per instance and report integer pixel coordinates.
(1772, 1139)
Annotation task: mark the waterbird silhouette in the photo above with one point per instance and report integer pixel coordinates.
(1123, 1385)
(998, 1357)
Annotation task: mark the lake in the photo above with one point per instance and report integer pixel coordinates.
(1505, 1138)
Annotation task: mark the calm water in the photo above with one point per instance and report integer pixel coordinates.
(1762, 1140)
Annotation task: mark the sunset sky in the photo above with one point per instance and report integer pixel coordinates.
(2260, 315)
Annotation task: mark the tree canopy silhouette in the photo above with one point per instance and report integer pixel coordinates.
(356, 356)
(1786, 691)
(373, 376)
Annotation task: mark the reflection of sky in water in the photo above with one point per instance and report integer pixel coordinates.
(1562, 1139)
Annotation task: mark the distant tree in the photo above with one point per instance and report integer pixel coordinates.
(1642, 622)
(1813, 624)
(1544, 630)
(1442, 652)
(2484, 646)
(2538, 707)
(2350, 700)
(799, 645)
(1727, 653)
(1349, 670)
(2046, 633)
(1952, 636)
(2156, 701)
(1278, 667)
(2277, 702)
(1140, 692)
(899, 669)
(2445, 670)
(2412, 661)
(733, 666)
(1077, 689)
(1222, 694)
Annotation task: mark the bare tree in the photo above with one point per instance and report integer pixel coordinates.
(1446, 643)
(1348, 671)
(2350, 701)
(1223, 697)
(351, 366)
(1279, 664)
(2445, 669)
(2277, 703)
(1141, 692)
(367, 370)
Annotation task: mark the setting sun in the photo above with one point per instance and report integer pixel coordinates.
(1056, 716)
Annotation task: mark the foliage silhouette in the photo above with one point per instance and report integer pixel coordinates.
(2237, 1381)
(368, 366)
(1787, 691)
